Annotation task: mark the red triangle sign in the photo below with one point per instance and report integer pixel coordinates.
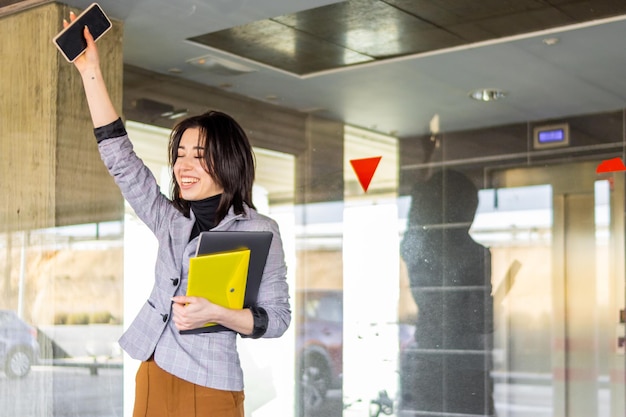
(365, 169)
(611, 165)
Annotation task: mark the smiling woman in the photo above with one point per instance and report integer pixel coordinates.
(191, 174)
(210, 155)
(213, 173)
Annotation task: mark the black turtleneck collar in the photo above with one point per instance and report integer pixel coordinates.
(204, 210)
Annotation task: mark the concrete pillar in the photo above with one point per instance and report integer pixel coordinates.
(51, 173)
(320, 167)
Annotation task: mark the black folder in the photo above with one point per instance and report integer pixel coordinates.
(225, 241)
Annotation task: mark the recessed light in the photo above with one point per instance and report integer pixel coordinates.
(487, 94)
(220, 66)
(175, 114)
(550, 41)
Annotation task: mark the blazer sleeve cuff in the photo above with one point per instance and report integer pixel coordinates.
(115, 129)
(260, 322)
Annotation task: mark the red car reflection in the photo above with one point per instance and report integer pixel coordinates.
(319, 346)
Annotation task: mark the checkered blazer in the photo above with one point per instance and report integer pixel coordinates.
(207, 359)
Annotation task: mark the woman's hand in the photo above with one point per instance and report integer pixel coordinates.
(88, 64)
(89, 59)
(193, 312)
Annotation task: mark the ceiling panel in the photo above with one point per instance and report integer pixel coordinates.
(281, 46)
(359, 31)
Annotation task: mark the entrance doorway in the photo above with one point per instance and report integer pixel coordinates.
(559, 293)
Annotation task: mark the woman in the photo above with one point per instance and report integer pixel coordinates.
(212, 172)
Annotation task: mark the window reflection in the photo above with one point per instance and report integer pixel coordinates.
(447, 369)
(19, 348)
(319, 347)
(61, 319)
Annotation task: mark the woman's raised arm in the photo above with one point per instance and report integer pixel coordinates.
(88, 65)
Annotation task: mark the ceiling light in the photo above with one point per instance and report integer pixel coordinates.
(487, 94)
(175, 114)
(220, 66)
(550, 41)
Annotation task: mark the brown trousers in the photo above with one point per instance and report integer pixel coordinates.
(161, 394)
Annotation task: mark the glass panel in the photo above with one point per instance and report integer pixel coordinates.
(370, 272)
(547, 358)
(370, 306)
(318, 310)
(61, 320)
(605, 323)
(610, 296)
(446, 369)
(516, 224)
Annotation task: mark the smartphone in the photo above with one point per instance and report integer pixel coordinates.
(71, 41)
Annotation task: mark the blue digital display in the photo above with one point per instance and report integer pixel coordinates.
(551, 136)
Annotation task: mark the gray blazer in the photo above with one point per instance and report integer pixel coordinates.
(207, 359)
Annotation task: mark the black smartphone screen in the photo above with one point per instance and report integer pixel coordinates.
(71, 41)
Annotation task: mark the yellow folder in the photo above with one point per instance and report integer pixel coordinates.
(220, 278)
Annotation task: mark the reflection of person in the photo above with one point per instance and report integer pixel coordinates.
(212, 172)
(448, 371)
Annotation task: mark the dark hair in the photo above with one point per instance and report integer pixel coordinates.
(228, 158)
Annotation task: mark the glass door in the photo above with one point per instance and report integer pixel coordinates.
(558, 278)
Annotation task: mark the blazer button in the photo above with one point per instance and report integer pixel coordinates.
(165, 316)
(174, 281)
